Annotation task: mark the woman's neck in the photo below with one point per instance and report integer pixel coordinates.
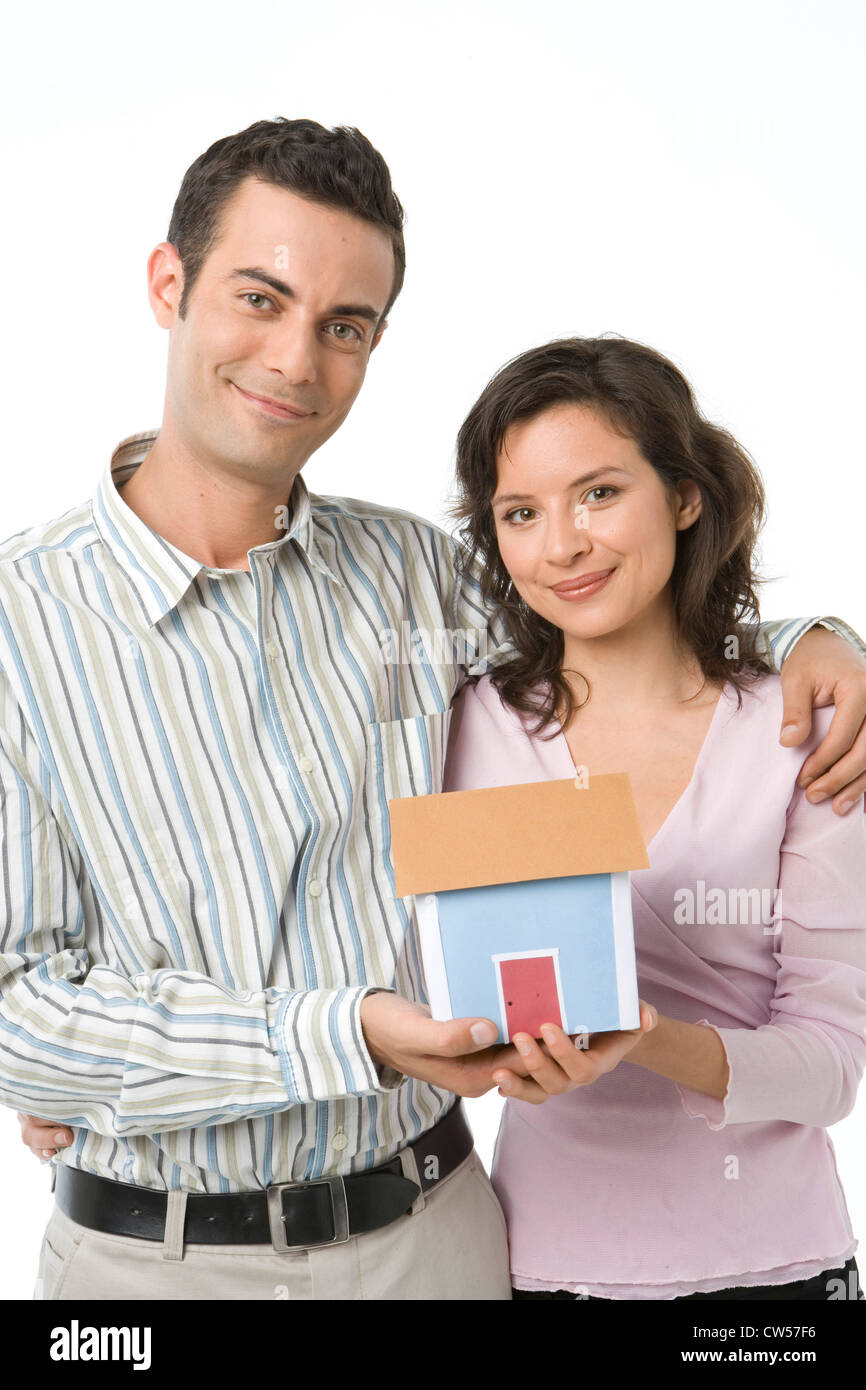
(633, 670)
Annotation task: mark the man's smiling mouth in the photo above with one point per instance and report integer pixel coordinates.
(278, 409)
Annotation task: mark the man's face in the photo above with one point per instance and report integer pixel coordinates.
(302, 341)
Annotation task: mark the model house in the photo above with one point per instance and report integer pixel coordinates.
(523, 901)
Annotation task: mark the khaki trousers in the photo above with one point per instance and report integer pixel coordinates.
(452, 1245)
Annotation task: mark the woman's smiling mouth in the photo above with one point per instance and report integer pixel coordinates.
(583, 586)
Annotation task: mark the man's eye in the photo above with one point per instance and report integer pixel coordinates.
(345, 332)
(256, 294)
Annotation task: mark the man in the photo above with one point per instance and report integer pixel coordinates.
(205, 973)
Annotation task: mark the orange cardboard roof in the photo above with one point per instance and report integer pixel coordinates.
(512, 834)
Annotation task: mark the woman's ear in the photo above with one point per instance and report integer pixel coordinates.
(687, 507)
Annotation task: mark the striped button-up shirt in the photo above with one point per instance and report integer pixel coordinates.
(197, 890)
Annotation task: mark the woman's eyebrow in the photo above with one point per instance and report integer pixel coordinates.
(578, 482)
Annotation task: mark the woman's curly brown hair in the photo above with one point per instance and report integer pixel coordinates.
(646, 398)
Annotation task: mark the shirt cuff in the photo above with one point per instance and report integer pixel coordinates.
(389, 1077)
(782, 636)
(323, 1054)
(844, 630)
(703, 1107)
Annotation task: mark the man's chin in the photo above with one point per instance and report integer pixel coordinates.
(248, 451)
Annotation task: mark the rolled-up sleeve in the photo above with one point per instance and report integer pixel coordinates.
(780, 636)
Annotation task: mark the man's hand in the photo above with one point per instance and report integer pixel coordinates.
(43, 1137)
(456, 1055)
(825, 669)
(559, 1064)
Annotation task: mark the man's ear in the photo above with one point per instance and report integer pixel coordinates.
(379, 331)
(164, 283)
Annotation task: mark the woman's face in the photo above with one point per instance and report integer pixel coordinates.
(585, 525)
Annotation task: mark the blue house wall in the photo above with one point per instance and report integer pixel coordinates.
(573, 914)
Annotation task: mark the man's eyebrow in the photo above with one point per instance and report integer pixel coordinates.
(578, 482)
(357, 311)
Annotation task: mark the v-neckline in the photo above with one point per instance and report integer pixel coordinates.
(699, 760)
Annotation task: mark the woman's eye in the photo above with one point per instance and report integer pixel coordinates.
(256, 294)
(604, 488)
(520, 515)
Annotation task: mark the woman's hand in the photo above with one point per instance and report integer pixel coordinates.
(560, 1064)
(43, 1137)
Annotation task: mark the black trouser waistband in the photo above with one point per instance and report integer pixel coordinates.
(288, 1215)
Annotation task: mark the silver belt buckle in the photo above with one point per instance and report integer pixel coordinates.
(339, 1213)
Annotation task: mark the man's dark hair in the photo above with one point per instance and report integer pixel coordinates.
(339, 168)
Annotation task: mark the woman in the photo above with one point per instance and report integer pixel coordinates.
(616, 529)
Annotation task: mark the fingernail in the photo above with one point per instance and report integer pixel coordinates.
(788, 729)
(505, 1085)
(46, 1153)
(845, 806)
(804, 781)
(815, 796)
(483, 1033)
(60, 1139)
(548, 1035)
(524, 1048)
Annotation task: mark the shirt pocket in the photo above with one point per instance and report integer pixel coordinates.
(406, 757)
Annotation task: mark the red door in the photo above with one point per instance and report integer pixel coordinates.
(530, 993)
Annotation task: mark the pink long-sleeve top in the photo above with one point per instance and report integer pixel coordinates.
(636, 1186)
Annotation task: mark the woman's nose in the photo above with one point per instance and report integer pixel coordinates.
(567, 534)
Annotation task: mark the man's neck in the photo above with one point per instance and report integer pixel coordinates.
(214, 518)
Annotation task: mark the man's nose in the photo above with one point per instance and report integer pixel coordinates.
(294, 352)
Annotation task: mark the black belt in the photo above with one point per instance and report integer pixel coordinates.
(291, 1216)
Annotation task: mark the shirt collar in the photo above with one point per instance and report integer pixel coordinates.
(159, 572)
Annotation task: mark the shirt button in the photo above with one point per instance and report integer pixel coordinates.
(305, 764)
(315, 888)
(339, 1141)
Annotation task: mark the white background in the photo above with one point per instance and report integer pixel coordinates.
(682, 172)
